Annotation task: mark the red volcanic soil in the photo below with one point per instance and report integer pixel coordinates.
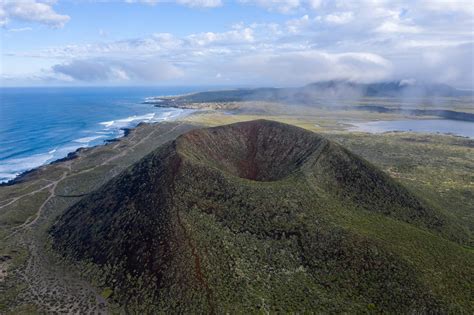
(257, 150)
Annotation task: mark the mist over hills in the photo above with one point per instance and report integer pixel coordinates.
(403, 88)
(263, 216)
(330, 89)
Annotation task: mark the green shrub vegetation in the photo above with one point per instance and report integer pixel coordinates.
(265, 217)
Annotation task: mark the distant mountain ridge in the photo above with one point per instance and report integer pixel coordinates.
(329, 89)
(401, 88)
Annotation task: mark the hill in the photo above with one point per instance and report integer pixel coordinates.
(263, 216)
(399, 89)
(320, 90)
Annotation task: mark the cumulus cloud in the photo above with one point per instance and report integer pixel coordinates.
(235, 36)
(297, 25)
(339, 17)
(20, 29)
(84, 70)
(201, 3)
(189, 3)
(306, 22)
(290, 68)
(462, 6)
(94, 70)
(287, 6)
(31, 11)
(319, 40)
(282, 6)
(393, 27)
(445, 64)
(149, 2)
(164, 44)
(310, 66)
(290, 6)
(3, 16)
(314, 4)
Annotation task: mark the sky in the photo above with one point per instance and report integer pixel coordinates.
(235, 43)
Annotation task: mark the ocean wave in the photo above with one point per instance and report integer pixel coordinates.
(5, 177)
(127, 122)
(107, 123)
(11, 168)
(155, 99)
(132, 121)
(88, 139)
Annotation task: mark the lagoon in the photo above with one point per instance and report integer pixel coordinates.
(443, 126)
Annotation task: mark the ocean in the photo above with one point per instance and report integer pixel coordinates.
(40, 125)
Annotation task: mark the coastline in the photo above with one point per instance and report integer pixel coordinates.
(177, 109)
(71, 155)
(461, 129)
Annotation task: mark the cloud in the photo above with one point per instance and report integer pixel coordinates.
(84, 70)
(282, 6)
(3, 16)
(251, 67)
(462, 6)
(21, 29)
(243, 35)
(164, 44)
(315, 4)
(31, 11)
(339, 17)
(288, 6)
(445, 64)
(393, 27)
(296, 25)
(201, 3)
(94, 70)
(295, 68)
(306, 23)
(367, 40)
(149, 2)
(189, 3)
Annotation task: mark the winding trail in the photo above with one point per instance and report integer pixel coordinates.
(27, 223)
(69, 173)
(44, 282)
(13, 200)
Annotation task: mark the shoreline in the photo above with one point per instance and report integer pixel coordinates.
(414, 113)
(70, 156)
(229, 108)
(21, 177)
(406, 125)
